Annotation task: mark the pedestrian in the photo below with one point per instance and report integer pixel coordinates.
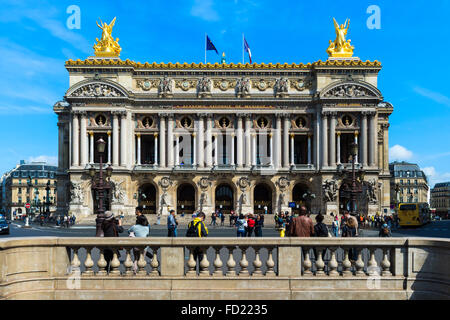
(213, 219)
(158, 219)
(301, 226)
(197, 229)
(275, 217)
(140, 230)
(320, 229)
(231, 218)
(250, 225)
(138, 211)
(172, 224)
(259, 225)
(349, 231)
(385, 231)
(241, 224)
(335, 227)
(111, 227)
(222, 219)
(265, 209)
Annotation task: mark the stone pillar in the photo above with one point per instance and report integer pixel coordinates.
(209, 141)
(309, 149)
(271, 148)
(83, 140)
(232, 149)
(240, 142)
(338, 153)
(177, 149)
(317, 139)
(248, 146)
(385, 126)
(123, 139)
(372, 139)
(138, 157)
(109, 147)
(333, 140)
(60, 145)
(254, 149)
(325, 141)
(363, 155)
(115, 139)
(155, 149)
(75, 140)
(91, 146)
(201, 143)
(292, 149)
(278, 142)
(194, 152)
(286, 142)
(170, 128)
(356, 142)
(162, 140)
(216, 150)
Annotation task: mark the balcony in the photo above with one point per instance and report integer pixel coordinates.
(237, 269)
(302, 167)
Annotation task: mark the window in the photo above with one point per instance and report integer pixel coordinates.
(415, 182)
(35, 181)
(20, 181)
(20, 199)
(401, 181)
(409, 182)
(19, 190)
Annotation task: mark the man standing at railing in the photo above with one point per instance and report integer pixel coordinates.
(197, 229)
(301, 226)
(172, 224)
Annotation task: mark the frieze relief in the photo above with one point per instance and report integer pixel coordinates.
(97, 90)
(224, 84)
(349, 91)
(147, 84)
(301, 84)
(185, 84)
(262, 84)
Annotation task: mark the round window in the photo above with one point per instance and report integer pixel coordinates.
(263, 122)
(224, 122)
(186, 122)
(347, 120)
(100, 120)
(147, 122)
(300, 122)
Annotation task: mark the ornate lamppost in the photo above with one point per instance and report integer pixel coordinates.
(354, 190)
(100, 185)
(47, 199)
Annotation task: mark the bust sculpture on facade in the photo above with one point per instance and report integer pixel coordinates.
(76, 192)
(329, 188)
(243, 87)
(165, 87)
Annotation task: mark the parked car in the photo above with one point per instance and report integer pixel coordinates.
(4, 226)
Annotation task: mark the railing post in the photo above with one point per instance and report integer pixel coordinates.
(172, 261)
(231, 264)
(289, 261)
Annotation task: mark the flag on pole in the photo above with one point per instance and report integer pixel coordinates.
(247, 48)
(210, 45)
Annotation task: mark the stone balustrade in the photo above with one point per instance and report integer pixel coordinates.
(224, 268)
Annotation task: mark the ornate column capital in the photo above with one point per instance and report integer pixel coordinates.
(163, 114)
(385, 125)
(292, 135)
(338, 133)
(91, 133)
(194, 134)
(156, 134)
(356, 133)
(138, 135)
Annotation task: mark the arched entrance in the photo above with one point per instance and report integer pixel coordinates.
(147, 198)
(262, 199)
(300, 197)
(224, 198)
(185, 199)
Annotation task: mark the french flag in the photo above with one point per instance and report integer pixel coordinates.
(247, 48)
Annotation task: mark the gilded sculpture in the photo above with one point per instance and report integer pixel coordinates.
(107, 46)
(340, 48)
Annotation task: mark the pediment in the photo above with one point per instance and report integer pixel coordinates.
(350, 90)
(96, 89)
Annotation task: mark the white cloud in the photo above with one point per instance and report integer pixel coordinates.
(398, 152)
(204, 9)
(433, 95)
(435, 176)
(50, 160)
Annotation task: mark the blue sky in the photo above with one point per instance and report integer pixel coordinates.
(412, 45)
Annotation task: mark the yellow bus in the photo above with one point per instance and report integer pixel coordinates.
(414, 214)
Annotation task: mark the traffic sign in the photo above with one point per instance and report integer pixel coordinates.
(28, 206)
(291, 204)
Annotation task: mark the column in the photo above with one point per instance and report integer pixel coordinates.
(385, 126)
(138, 156)
(162, 142)
(333, 140)
(372, 140)
(278, 142)
(208, 156)
(317, 138)
(271, 148)
(177, 149)
(309, 149)
(248, 147)
(75, 139)
(91, 146)
(240, 142)
(324, 141)
(170, 127)
(338, 153)
(254, 149)
(286, 142)
(194, 152)
(60, 145)
(109, 147)
(357, 151)
(363, 157)
(155, 149)
(216, 150)
(115, 139)
(292, 149)
(123, 139)
(83, 140)
(201, 142)
(232, 149)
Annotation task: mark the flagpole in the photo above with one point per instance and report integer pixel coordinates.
(243, 59)
(205, 47)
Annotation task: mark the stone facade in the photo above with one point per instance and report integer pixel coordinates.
(440, 199)
(224, 136)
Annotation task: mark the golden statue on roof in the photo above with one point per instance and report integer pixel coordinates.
(340, 48)
(107, 47)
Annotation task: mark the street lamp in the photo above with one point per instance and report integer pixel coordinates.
(47, 199)
(354, 190)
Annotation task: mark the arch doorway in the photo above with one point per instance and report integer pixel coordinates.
(262, 199)
(224, 198)
(147, 198)
(300, 197)
(185, 199)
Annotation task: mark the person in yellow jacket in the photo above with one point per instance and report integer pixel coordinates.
(197, 229)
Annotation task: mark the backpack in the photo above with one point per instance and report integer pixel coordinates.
(251, 223)
(192, 231)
